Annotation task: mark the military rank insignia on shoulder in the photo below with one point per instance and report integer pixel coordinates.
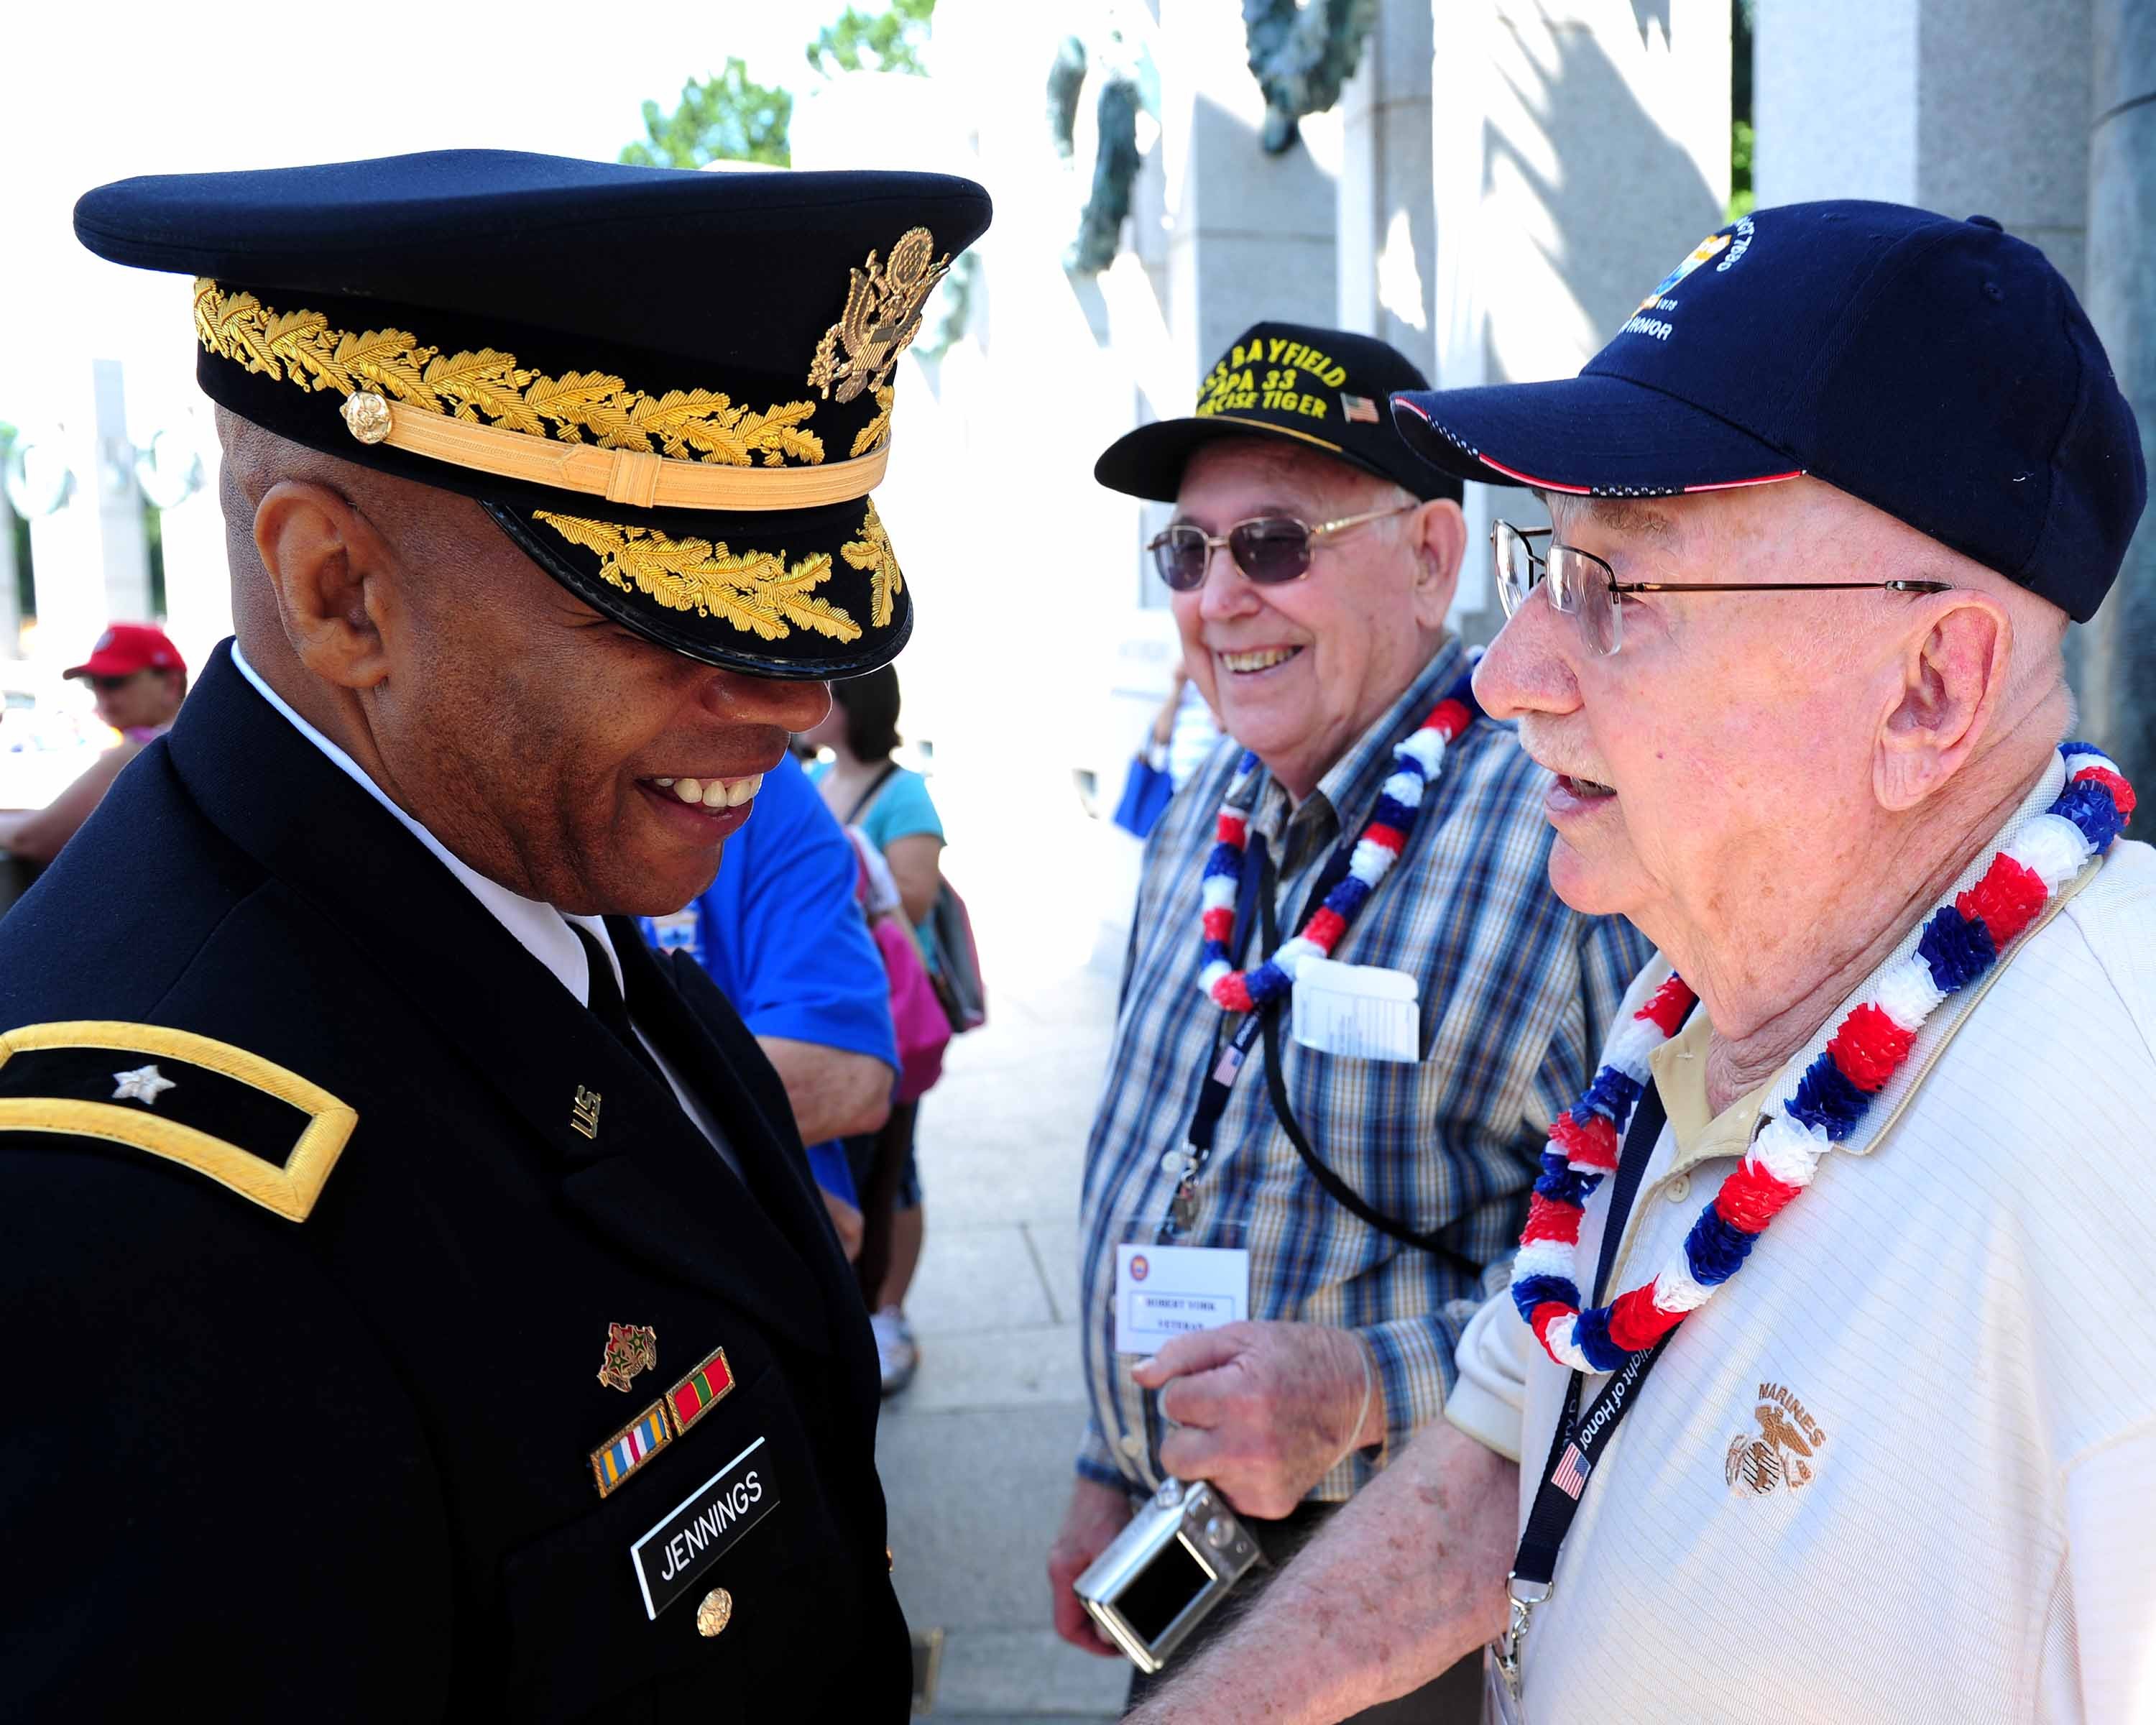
(244, 1122)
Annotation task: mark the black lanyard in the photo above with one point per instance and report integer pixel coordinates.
(1576, 1446)
(1261, 886)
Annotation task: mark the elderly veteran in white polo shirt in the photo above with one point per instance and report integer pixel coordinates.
(1824, 1389)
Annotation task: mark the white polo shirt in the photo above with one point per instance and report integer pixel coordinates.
(1902, 1467)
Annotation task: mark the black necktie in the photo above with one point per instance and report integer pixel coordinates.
(608, 1006)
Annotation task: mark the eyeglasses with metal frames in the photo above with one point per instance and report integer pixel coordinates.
(1270, 549)
(1581, 585)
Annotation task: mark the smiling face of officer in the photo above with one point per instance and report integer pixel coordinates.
(540, 741)
(1298, 670)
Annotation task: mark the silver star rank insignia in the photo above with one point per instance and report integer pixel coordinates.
(144, 1084)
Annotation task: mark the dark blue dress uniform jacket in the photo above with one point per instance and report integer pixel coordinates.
(339, 1468)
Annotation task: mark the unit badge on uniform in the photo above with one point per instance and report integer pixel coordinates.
(690, 1399)
(630, 1447)
(630, 1349)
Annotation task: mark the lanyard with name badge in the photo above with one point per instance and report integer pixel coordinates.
(1576, 1446)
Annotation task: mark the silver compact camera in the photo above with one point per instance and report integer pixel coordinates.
(1165, 1572)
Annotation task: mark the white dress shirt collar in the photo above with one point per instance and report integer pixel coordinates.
(540, 929)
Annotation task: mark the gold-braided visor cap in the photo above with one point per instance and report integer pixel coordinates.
(734, 526)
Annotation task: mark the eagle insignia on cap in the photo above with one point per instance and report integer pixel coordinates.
(882, 315)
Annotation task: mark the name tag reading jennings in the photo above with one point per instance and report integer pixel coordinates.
(1359, 1010)
(699, 1530)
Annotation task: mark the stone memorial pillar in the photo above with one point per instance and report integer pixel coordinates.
(2117, 659)
(1388, 217)
(90, 558)
(1251, 235)
(1579, 149)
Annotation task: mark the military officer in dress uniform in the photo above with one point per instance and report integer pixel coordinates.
(419, 1305)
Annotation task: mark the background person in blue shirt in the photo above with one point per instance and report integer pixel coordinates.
(865, 788)
(780, 932)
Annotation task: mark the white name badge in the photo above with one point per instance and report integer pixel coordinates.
(1357, 1010)
(1163, 1292)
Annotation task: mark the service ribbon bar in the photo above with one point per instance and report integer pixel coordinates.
(630, 1447)
(690, 1399)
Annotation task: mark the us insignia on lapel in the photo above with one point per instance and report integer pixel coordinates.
(690, 1399)
(630, 1447)
(630, 1349)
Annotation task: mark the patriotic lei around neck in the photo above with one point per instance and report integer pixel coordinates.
(1415, 766)
(1962, 940)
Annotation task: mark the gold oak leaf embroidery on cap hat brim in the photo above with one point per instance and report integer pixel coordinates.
(882, 314)
(490, 385)
(878, 428)
(754, 590)
(872, 555)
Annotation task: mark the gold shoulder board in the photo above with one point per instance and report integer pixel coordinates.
(244, 1122)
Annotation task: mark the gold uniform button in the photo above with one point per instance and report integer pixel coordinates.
(716, 1612)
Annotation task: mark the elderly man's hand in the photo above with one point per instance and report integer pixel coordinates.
(1097, 1515)
(1265, 1409)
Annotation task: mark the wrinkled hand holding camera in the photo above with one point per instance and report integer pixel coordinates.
(1166, 1572)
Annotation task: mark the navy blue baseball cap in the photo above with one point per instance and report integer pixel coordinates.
(1941, 370)
(673, 391)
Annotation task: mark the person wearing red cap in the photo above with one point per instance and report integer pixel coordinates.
(140, 680)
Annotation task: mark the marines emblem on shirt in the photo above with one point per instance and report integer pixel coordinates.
(1782, 1454)
(630, 1349)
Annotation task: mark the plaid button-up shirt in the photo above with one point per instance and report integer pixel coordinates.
(1515, 991)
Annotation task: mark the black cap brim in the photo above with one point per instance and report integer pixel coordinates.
(1592, 435)
(1149, 461)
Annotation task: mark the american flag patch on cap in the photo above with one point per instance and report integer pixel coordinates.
(1358, 408)
(630, 1447)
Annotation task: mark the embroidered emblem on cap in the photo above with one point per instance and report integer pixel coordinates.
(1357, 409)
(144, 1084)
(882, 315)
(1782, 1454)
(630, 1349)
(691, 1398)
(629, 1449)
(1711, 246)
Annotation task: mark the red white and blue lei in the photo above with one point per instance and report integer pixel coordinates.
(1416, 763)
(1961, 940)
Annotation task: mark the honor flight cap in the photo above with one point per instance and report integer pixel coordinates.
(1942, 370)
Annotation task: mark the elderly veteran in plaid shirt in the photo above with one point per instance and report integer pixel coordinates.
(1320, 639)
